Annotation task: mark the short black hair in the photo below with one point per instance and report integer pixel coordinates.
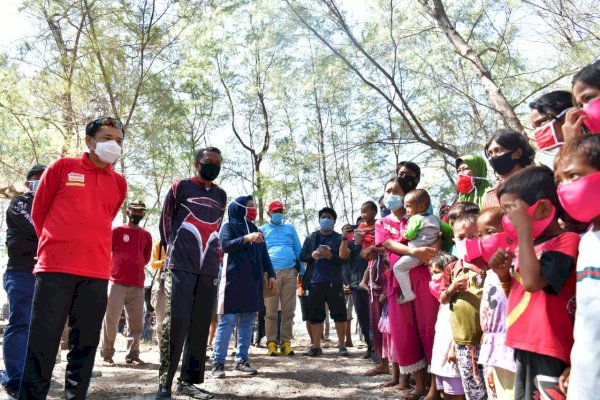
(590, 75)
(421, 196)
(462, 207)
(586, 147)
(410, 165)
(94, 126)
(200, 153)
(441, 260)
(531, 184)
(328, 210)
(371, 204)
(553, 103)
(513, 140)
(467, 219)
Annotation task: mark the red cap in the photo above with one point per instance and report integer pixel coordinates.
(275, 205)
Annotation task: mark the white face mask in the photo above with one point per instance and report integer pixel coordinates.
(108, 151)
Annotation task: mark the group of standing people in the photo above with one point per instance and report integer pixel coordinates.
(477, 302)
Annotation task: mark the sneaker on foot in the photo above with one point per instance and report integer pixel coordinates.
(11, 392)
(343, 352)
(218, 371)
(286, 349)
(134, 360)
(245, 367)
(163, 392)
(314, 352)
(367, 355)
(272, 349)
(108, 362)
(193, 391)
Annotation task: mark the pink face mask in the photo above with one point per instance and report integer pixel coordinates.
(435, 284)
(549, 135)
(581, 198)
(490, 244)
(592, 110)
(538, 226)
(468, 249)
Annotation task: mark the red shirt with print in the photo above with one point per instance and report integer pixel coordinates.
(542, 322)
(73, 210)
(131, 250)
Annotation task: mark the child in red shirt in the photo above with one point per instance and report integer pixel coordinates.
(541, 302)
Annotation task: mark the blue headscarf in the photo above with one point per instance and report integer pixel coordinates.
(241, 226)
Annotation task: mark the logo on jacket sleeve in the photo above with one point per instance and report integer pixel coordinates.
(75, 179)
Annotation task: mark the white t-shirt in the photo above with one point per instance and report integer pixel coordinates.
(584, 382)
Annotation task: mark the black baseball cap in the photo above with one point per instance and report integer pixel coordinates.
(36, 169)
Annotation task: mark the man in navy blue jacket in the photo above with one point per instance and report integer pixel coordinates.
(19, 282)
(324, 275)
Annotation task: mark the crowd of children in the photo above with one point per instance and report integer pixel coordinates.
(515, 299)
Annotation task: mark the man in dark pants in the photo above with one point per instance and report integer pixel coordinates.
(73, 209)
(190, 222)
(21, 242)
(324, 266)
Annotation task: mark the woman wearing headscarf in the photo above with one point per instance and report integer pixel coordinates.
(472, 181)
(240, 293)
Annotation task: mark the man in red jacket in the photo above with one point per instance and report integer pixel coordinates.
(131, 248)
(73, 209)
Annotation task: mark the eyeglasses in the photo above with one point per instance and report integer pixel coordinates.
(107, 121)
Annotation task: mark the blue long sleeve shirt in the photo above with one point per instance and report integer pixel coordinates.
(283, 245)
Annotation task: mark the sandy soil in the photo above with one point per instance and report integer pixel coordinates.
(298, 377)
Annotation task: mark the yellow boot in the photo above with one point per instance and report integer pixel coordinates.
(286, 349)
(272, 349)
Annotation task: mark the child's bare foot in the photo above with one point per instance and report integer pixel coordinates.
(390, 383)
(377, 371)
(402, 386)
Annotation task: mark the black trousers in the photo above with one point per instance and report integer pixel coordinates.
(360, 298)
(189, 302)
(56, 297)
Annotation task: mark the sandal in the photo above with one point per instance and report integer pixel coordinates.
(135, 360)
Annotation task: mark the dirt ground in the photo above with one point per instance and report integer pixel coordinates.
(299, 377)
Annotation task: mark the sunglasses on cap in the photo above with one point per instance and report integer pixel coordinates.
(107, 121)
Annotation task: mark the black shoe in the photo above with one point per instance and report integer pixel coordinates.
(163, 392)
(245, 367)
(193, 391)
(367, 355)
(13, 393)
(314, 352)
(218, 371)
(343, 352)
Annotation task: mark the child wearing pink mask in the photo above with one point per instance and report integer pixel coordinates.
(445, 375)
(586, 96)
(577, 170)
(541, 301)
(462, 288)
(496, 358)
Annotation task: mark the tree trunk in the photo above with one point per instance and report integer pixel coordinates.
(495, 95)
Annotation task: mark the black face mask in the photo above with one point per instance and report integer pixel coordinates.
(503, 164)
(209, 172)
(408, 182)
(135, 219)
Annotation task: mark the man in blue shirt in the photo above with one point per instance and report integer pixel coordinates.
(284, 248)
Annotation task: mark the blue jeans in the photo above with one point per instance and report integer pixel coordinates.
(245, 324)
(19, 288)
